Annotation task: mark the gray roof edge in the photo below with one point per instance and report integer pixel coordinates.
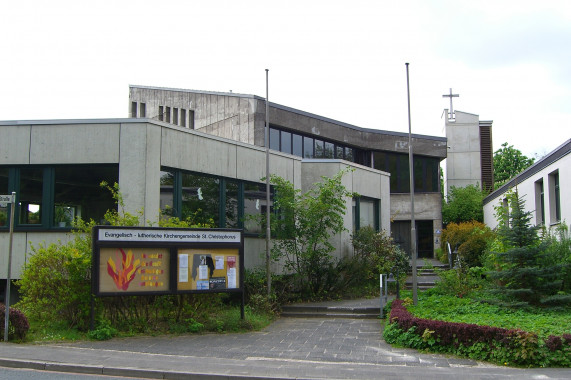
(78, 121)
(199, 91)
(298, 111)
(351, 126)
(544, 162)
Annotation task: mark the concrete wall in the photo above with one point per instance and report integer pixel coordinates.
(427, 206)
(242, 118)
(363, 138)
(141, 148)
(463, 164)
(218, 114)
(362, 180)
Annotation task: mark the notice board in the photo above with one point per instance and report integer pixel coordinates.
(144, 260)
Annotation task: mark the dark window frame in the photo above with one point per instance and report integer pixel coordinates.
(48, 195)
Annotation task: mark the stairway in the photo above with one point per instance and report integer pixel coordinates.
(426, 276)
(356, 309)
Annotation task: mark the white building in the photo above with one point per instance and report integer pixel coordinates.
(543, 187)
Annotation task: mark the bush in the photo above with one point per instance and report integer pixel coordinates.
(104, 331)
(470, 239)
(504, 346)
(459, 282)
(379, 253)
(55, 284)
(18, 325)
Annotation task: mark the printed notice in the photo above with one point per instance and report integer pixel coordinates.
(231, 278)
(219, 262)
(183, 268)
(202, 285)
(231, 261)
(217, 283)
(203, 272)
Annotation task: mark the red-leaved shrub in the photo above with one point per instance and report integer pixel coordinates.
(18, 325)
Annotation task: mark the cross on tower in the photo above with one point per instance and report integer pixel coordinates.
(451, 95)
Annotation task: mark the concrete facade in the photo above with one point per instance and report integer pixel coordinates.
(464, 163)
(537, 182)
(242, 118)
(142, 148)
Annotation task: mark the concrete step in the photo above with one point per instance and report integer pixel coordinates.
(313, 311)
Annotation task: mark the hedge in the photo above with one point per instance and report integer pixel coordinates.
(504, 346)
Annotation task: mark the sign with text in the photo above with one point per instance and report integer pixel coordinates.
(5, 199)
(139, 261)
(203, 269)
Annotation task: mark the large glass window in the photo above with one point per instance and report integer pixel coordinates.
(554, 198)
(366, 213)
(167, 203)
(539, 202)
(297, 145)
(200, 198)
(78, 193)
(221, 202)
(349, 154)
(254, 206)
(403, 177)
(339, 152)
(285, 142)
(274, 139)
(307, 147)
(31, 195)
(329, 150)
(55, 196)
(426, 171)
(319, 149)
(4, 191)
(232, 209)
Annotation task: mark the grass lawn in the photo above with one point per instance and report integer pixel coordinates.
(543, 322)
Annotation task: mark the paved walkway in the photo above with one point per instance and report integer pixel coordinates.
(290, 348)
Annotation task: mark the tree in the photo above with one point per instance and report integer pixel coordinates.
(523, 271)
(302, 227)
(509, 162)
(463, 204)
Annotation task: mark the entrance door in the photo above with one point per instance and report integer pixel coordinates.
(400, 231)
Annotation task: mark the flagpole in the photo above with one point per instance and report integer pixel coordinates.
(268, 227)
(412, 220)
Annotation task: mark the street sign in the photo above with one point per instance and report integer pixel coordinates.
(5, 199)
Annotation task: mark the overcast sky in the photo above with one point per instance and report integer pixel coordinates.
(510, 61)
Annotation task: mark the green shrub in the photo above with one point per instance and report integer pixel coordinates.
(55, 284)
(379, 254)
(103, 331)
(459, 282)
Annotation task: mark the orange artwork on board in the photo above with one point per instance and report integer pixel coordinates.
(123, 277)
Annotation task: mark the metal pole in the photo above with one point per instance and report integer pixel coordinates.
(268, 227)
(412, 221)
(8, 278)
